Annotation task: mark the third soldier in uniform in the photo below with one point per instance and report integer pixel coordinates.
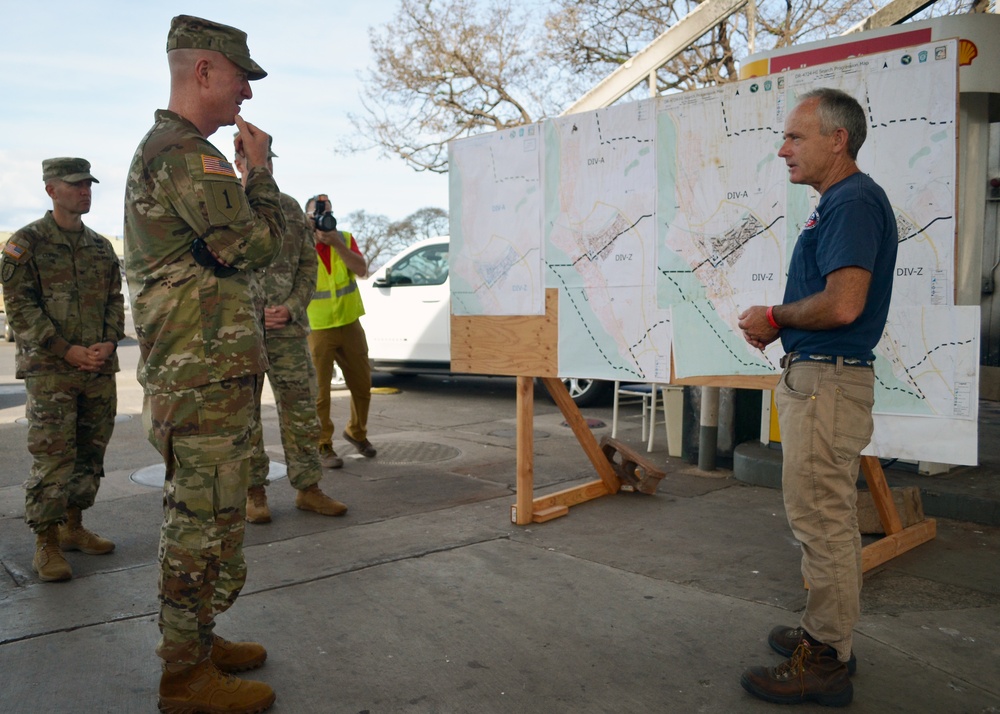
(283, 290)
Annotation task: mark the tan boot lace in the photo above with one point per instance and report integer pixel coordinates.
(795, 665)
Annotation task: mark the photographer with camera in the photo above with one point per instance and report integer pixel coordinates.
(336, 333)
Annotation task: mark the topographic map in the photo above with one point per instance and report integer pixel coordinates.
(600, 193)
(727, 217)
(496, 254)
(931, 362)
(660, 221)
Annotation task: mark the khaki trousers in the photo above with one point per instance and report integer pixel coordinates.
(825, 416)
(348, 347)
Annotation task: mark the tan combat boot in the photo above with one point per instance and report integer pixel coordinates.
(257, 510)
(49, 562)
(232, 657)
(203, 688)
(312, 499)
(73, 536)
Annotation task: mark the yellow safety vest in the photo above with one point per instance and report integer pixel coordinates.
(337, 301)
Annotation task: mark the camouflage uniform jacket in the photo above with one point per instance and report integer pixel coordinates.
(61, 290)
(290, 279)
(194, 327)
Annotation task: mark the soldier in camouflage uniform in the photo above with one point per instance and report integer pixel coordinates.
(62, 284)
(192, 236)
(283, 291)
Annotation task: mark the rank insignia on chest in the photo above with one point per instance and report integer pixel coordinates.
(215, 165)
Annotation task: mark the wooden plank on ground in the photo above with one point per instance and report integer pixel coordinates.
(885, 549)
(572, 496)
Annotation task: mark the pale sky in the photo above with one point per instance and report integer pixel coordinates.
(84, 78)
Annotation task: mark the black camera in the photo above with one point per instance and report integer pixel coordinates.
(323, 217)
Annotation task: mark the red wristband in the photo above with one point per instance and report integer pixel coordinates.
(770, 318)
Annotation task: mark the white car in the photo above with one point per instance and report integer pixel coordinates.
(408, 318)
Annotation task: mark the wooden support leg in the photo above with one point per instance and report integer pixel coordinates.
(583, 434)
(557, 504)
(897, 539)
(523, 511)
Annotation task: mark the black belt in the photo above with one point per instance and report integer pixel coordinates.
(793, 357)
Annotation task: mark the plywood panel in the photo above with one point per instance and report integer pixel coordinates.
(510, 344)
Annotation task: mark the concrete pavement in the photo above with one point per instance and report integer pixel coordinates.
(424, 598)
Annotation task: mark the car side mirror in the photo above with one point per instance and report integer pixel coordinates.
(385, 281)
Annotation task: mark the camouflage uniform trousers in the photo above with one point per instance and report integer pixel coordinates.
(293, 381)
(204, 436)
(70, 419)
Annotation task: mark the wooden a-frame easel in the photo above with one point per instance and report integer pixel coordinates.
(495, 345)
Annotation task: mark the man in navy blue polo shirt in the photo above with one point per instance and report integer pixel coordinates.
(832, 316)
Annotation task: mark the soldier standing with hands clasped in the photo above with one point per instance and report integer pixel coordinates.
(192, 233)
(283, 290)
(62, 285)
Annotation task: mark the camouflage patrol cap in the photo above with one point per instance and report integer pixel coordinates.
(67, 169)
(188, 32)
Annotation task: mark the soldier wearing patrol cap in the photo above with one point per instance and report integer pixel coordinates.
(283, 291)
(62, 283)
(192, 234)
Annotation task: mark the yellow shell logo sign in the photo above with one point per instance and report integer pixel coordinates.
(966, 52)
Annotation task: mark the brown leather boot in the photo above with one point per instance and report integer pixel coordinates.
(232, 657)
(813, 674)
(203, 688)
(328, 458)
(257, 510)
(73, 536)
(313, 499)
(784, 640)
(49, 562)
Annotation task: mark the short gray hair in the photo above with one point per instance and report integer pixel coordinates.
(839, 110)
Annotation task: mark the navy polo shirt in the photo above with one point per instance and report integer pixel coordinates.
(853, 225)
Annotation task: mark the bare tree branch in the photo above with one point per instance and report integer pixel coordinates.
(446, 69)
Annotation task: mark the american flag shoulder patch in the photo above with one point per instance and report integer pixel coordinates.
(13, 250)
(215, 165)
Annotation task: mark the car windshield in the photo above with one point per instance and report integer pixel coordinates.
(427, 266)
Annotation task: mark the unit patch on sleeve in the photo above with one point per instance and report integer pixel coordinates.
(215, 165)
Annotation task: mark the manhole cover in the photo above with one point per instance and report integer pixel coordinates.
(154, 475)
(414, 452)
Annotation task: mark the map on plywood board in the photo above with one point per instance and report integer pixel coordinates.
(496, 263)
(660, 221)
(727, 217)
